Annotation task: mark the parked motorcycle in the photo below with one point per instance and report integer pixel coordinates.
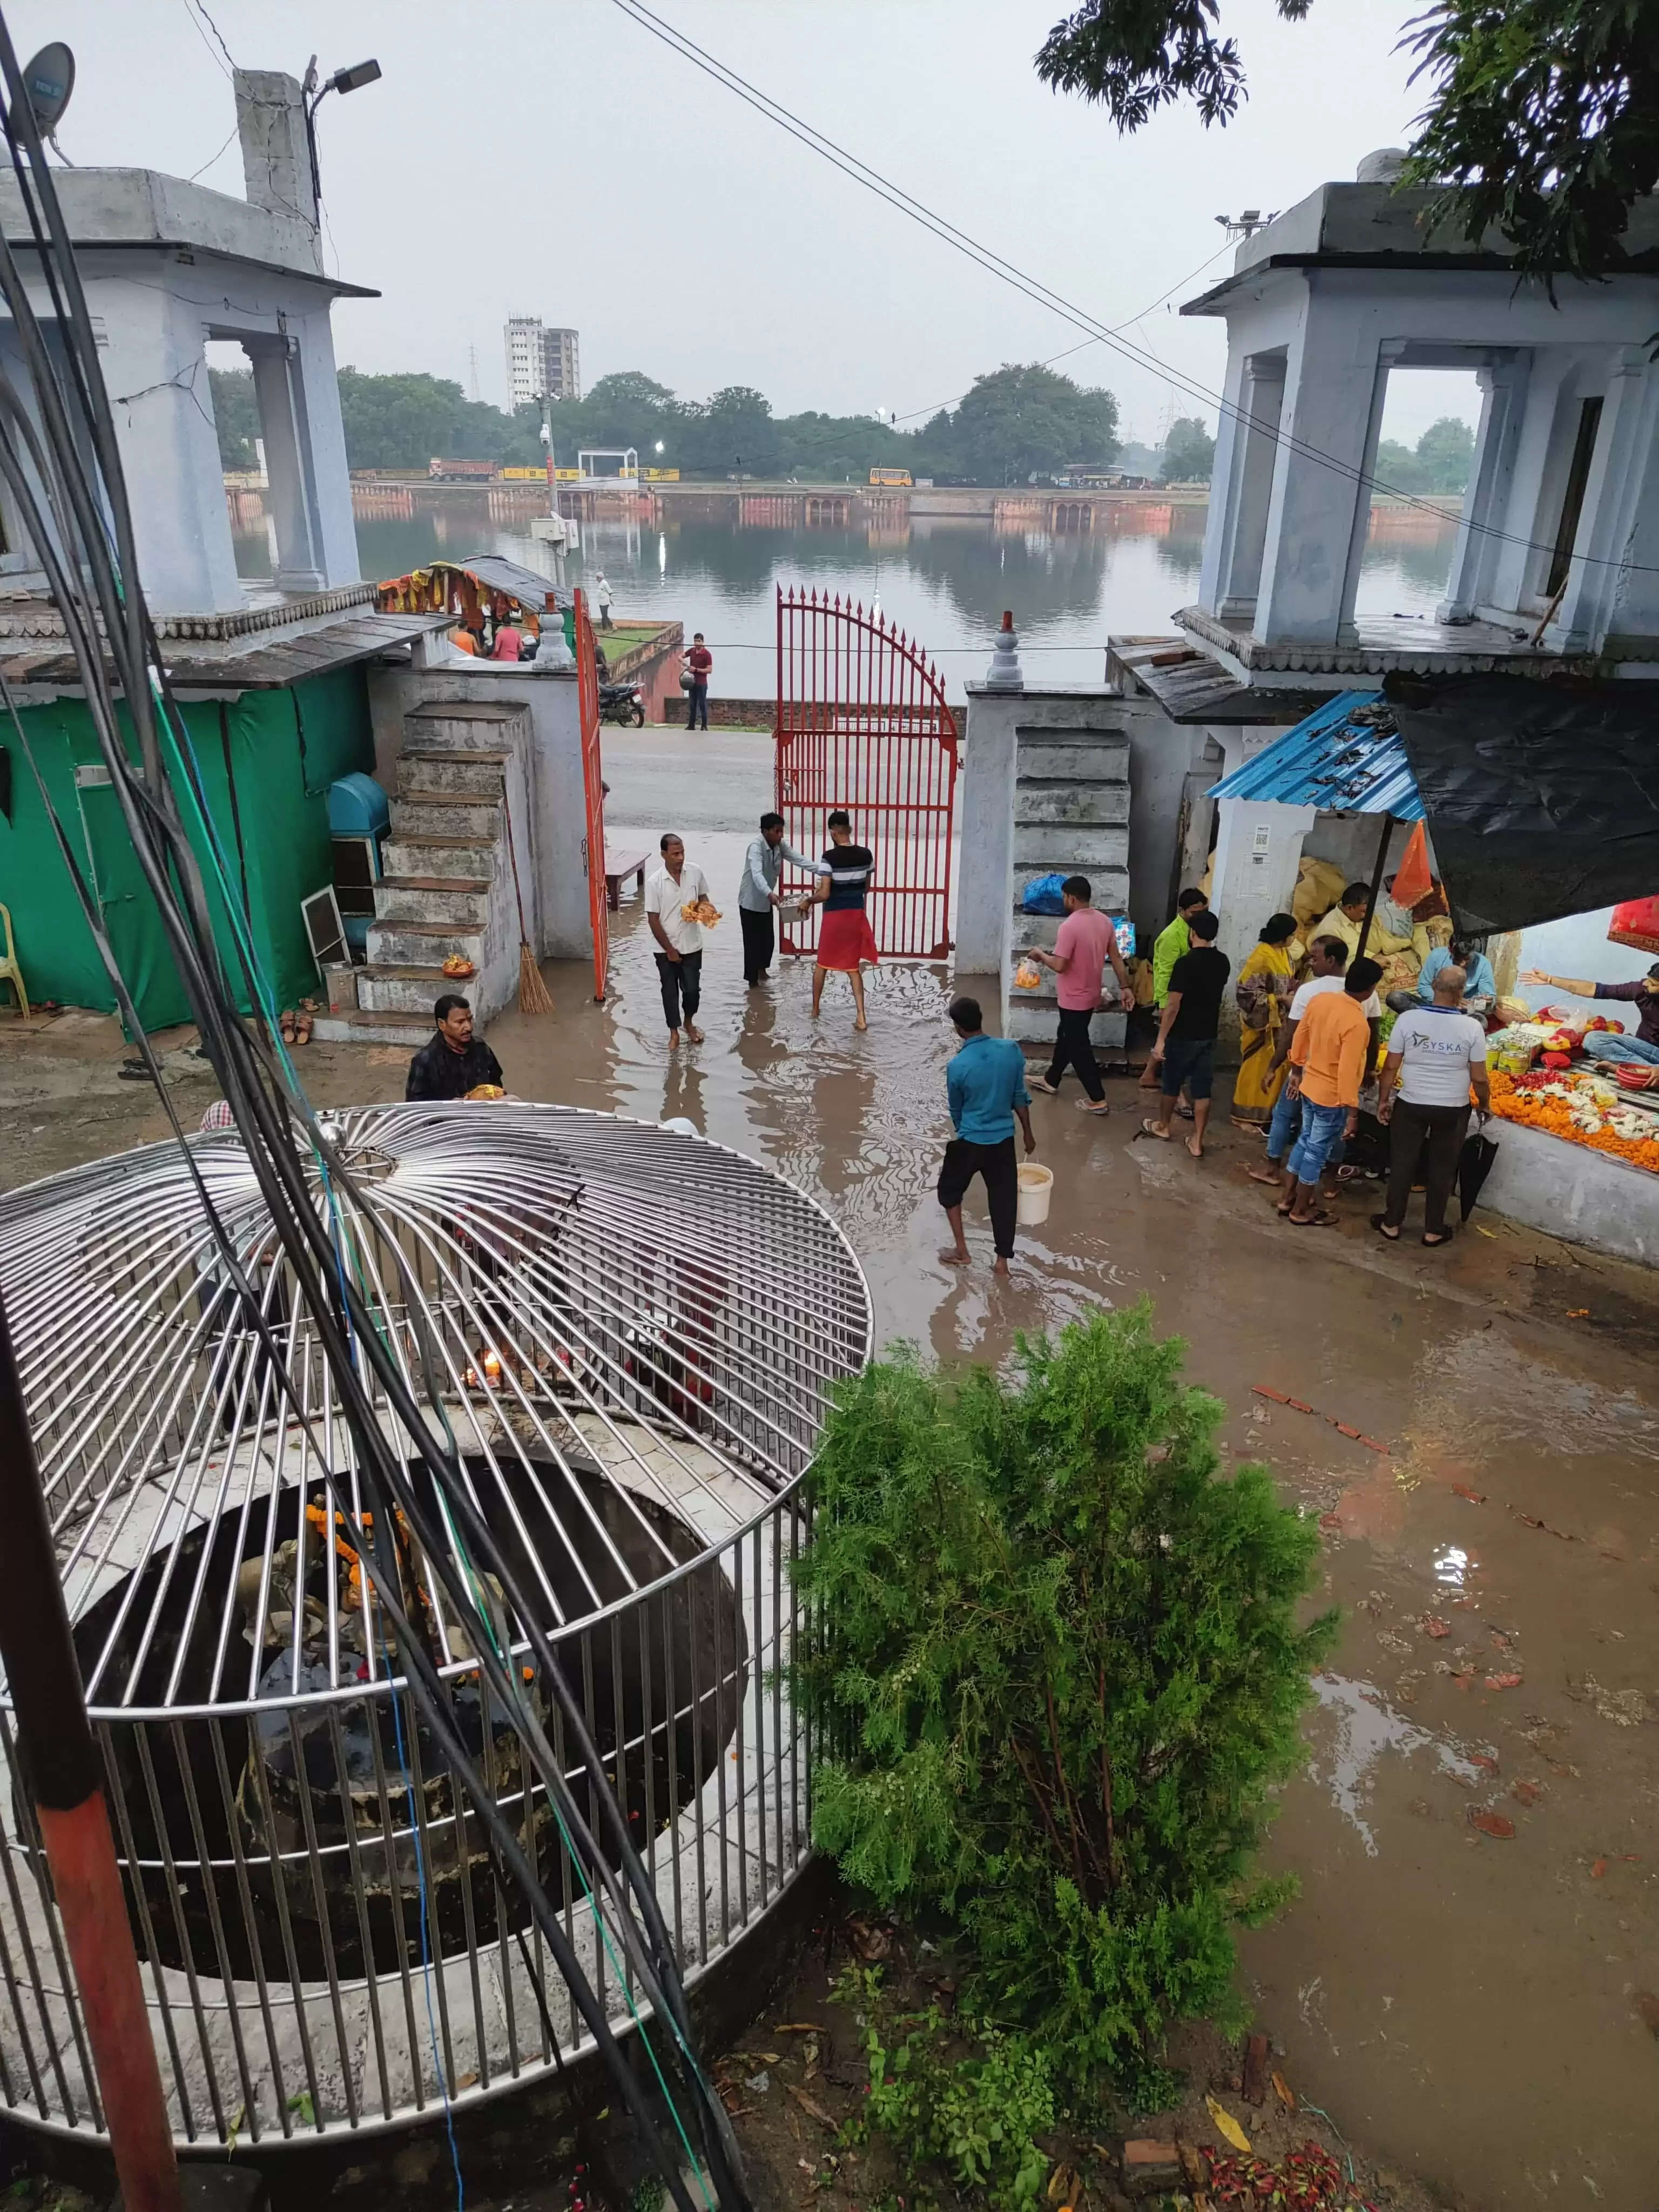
(621, 703)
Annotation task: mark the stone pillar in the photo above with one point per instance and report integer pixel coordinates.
(1245, 526)
(315, 385)
(1316, 508)
(156, 372)
(985, 871)
(1619, 499)
(271, 122)
(1359, 526)
(1257, 847)
(1485, 504)
(287, 470)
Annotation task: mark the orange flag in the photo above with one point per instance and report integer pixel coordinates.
(1412, 878)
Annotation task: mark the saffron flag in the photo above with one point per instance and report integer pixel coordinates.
(1412, 878)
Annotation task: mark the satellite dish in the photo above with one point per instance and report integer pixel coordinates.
(48, 81)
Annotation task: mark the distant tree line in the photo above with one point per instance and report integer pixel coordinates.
(1017, 421)
(1440, 461)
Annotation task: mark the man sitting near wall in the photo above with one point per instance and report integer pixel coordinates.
(455, 1061)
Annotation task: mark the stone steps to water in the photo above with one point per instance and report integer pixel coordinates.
(463, 900)
(416, 853)
(408, 988)
(461, 814)
(392, 939)
(427, 769)
(365, 1028)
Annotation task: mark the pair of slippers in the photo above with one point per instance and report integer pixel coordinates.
(1379, 1222)
(295, 1028)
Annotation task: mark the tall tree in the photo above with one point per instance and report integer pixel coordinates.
(1445, 452)
(1188, 452)
(1542, 116)
(1024, 420)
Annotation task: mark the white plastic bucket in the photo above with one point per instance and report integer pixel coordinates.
(1037, 1185)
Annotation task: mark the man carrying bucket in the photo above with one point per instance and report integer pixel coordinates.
(985, 1085)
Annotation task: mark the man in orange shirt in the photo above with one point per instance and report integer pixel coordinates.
(1327, 1065)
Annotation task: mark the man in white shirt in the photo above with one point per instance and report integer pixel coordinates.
(1327, 962)
(678, 883)
(602, 596)
(1436, 1054)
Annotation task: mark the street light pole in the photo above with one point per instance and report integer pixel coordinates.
(65, 1778)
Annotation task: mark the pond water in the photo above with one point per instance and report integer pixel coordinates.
(945, 581)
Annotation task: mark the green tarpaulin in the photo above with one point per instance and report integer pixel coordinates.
(266, 761)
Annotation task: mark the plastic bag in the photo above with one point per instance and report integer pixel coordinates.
(1044, 896)
(1028, 977)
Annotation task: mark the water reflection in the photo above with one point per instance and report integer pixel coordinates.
(945, 579)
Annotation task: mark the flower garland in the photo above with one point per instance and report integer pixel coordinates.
(1584, 1108)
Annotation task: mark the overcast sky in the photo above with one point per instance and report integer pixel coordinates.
(554, 158)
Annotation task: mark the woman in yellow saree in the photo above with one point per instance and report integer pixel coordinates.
(1265, 985)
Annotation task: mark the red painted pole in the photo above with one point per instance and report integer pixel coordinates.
(64, 1776)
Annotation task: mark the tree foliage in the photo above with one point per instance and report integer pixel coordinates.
(1024, 420)
(1056, 1721)
(1015, 422)
(1188, 452)
(1542, 115)
(1440, 461)
(236, 415)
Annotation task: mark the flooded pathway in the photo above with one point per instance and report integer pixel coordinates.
(1468, 1983)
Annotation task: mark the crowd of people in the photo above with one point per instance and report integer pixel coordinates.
(1310, 1032)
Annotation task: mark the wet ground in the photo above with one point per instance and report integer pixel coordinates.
(1469, 1982)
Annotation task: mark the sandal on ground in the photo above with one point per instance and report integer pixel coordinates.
(1087, 1106)
(302, 1028)
(1380, 1223)
(1435, 1242)
(285, 1024)
(1041, 1083)
(1324, 1220)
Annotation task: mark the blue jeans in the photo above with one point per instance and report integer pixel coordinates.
(1283, 1128)
(1321, 1132)
(1603, 1044)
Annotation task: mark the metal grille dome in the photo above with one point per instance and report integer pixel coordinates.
(630, 1337)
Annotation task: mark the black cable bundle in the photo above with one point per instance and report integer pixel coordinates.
(60, 462)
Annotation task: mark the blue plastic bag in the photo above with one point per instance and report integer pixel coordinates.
(1044, 896)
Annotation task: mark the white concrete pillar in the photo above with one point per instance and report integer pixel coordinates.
(1263, 406)
(1485, 504)
(1320, 491)
(316, 386)
(1622, 486)
(276, 146)
(1258, 846)
(1226, 476)
(299, 567)
(985, 871)
(1359, 526)
(156, 372)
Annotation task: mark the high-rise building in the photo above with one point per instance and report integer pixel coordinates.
(541, 361)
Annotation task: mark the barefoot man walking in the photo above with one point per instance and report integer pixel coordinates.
(1186, 1039)
(678, 883)
(985, 1084)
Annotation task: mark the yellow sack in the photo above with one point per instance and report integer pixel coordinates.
(1319, 884)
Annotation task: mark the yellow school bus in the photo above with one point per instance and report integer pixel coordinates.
(892, 479)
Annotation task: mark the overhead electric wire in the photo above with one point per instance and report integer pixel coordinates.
(1008, 272)
(81, 524)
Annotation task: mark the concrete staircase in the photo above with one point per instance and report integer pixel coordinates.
(447, 886)
(1071, 815)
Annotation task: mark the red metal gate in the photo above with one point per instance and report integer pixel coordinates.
(862, 724)
(588, 693)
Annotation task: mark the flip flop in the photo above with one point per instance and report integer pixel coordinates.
(1315, 1221)
(1435, 1242)
(1380, 1223)
(1152, 1129)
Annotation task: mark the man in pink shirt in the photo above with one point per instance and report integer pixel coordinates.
(1086, 941)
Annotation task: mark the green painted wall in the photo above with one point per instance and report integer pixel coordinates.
(266, 761)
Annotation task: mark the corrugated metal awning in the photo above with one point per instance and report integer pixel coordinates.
(1345, 758)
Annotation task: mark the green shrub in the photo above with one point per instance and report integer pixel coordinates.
(1055, 1672)
(977, 2115)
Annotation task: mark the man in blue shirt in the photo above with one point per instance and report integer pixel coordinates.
(986, 1086)
(1480, 987)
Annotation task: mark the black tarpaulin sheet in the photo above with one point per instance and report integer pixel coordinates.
(1542, 797)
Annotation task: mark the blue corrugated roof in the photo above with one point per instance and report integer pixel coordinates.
(1330, 760)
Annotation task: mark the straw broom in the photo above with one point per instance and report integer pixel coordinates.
(533, 995)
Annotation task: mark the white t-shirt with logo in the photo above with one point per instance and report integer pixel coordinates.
(1437, 1045)
(1317, 986)
(664, 897)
